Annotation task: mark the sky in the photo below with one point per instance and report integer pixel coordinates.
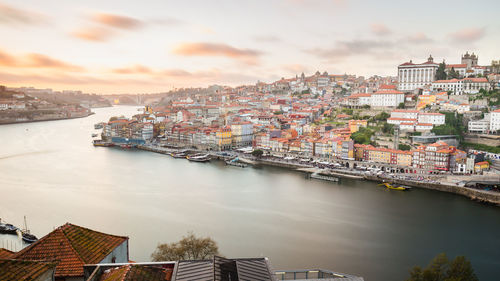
(152, 46)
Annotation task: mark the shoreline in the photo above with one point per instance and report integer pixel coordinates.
(477, 195)
(43, 120)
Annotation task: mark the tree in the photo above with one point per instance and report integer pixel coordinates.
(441, 269)
(388, 128)
(114, 118)
(363, 136)
(401, 105)
(404, 147)
(441, 72)
(453, 74)
(257, 153)
(382, 116)
(189, 247)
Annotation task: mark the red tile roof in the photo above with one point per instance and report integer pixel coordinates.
(17, 270)
(137, 272)
(72, 246)
(5, 254)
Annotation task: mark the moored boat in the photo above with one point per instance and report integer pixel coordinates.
(29, 238)
(178, 155)
(94, 135)
(199, 158)
(7, 228)
(400, 188)
(102, 143)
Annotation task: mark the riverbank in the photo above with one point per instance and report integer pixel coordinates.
(482, 196)
(7, 122)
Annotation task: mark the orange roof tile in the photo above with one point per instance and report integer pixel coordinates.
(5, 254)
(23, 270)
(72, 246)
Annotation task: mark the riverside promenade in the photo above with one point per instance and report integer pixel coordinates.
(441, 183)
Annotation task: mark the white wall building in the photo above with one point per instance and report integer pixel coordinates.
(390, 98)
(431, 118)
(412, 76)
(478, 126)
(495, 121)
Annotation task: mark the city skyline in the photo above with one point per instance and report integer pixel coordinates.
(116, 47)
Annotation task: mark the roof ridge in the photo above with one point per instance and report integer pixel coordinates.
(70, 224)
(71, 246)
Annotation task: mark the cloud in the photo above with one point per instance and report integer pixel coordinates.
(43, 61)
(213, 49)
(419, 38)
(35, 60)
(96, 34)
(7, 59)
(345, 49)
(267, 38)
(136, 69)
(380, 29)
(167, 21)
(117, 21)
(295, 68)
(12, 15)
(467, 35)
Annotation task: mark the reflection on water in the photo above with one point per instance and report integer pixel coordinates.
(51, 173)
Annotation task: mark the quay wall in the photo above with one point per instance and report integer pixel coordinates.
(473, 194)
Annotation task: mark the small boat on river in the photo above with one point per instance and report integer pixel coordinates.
(26, 235)
(7, 228)
(199, 158)
(393, 187)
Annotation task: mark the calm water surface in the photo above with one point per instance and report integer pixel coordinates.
(50, 172)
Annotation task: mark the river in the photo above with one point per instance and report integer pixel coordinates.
(50, 172)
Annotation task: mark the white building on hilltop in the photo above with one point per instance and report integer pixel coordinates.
(412, 76)
(495, 121)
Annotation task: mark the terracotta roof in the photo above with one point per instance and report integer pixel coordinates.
(462, 65)
(72, 246)
(137, 272)
(17, 270)
(385, 92)
(5, 254)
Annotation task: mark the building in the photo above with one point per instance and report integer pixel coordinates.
(242, 134)
(387, 98)
(413, 76)
(21, 270)
(437, 157)
(495, 121)
(462, 86)
(74, 246)
(478, 126)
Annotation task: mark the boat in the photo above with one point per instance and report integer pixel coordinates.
(7, 228)
(126, 145)
(29, 238)
(178, 155)
(98, 126)
(26, 235)
(199, 158)
(393, 187)
(102, 143)
(94, 135)
(234, 162)
(323, 177)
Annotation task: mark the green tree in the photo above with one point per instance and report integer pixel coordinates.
(441, 72)
(388, 128)
(453, 74)
(363, 136)
(189, 247)
(382, 116)
(441, 269)
(114, 118)
(402, 146)
(257, 153)
(401, 105)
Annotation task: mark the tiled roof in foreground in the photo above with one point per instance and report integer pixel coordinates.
(5, 254)
(17, 270)
(137, 273)
(72, 246)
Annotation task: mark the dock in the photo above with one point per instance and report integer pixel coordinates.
(323, 177)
